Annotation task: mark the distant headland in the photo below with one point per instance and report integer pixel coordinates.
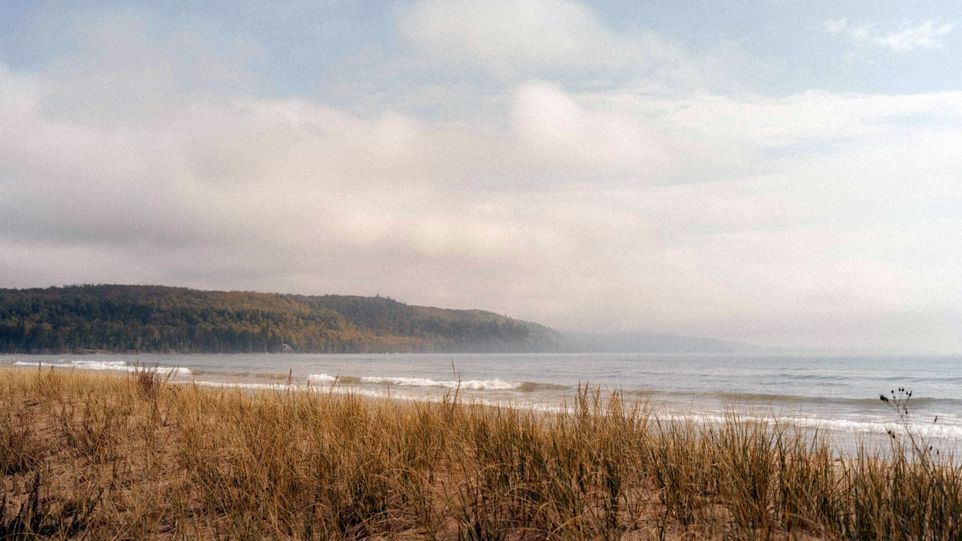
(161, 319)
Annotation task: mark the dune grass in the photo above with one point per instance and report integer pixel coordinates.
(94, 456)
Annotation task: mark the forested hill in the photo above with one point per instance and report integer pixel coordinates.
(124, 318)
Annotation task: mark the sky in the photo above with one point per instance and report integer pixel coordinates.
(778, 172)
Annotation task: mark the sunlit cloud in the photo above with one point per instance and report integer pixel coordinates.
(924, 35)
(592, 180)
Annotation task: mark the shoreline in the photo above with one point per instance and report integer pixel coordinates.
(847, 435)
(130, 455)
(802, 411)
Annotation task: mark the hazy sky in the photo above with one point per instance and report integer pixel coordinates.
(775, 171)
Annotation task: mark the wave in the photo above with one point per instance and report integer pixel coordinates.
(239, 385)
(876, 426)
(531, 387)
(916, 401)
(342, 380)
(471, 384)
(119, 366)
(782, 399)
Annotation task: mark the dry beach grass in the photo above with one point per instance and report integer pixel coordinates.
(104, 457)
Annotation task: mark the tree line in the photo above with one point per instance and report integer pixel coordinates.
(123, 318)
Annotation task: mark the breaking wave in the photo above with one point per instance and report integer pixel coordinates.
(470, 385)
(118, 366)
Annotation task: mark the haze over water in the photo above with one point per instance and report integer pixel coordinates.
(837, 395)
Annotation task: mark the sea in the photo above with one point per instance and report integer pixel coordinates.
(836, 397)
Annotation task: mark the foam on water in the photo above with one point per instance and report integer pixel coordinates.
(119, 366)
(473, 384)
(321, 378)
(238, 385)
(846, 426)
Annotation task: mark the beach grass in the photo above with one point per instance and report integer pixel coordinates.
(86, 455)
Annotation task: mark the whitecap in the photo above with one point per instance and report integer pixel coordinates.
(119, 366)
(473, 384)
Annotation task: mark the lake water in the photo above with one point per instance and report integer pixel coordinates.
(835, 395)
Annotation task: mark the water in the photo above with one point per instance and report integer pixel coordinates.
(834, 395)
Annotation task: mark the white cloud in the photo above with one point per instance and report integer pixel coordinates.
(514, 36)
(815, 218)
(555, 131)
(558, 39)
(921, 36)
(562, 214)
(924, 35)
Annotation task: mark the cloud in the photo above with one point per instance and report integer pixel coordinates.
(621, 210)
(924, 35)
(464, 59)
(509, 36)
(921, 36)
(129, 64)
(814, 218)
(557, 39)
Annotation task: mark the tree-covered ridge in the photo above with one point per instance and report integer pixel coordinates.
(167, 319)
